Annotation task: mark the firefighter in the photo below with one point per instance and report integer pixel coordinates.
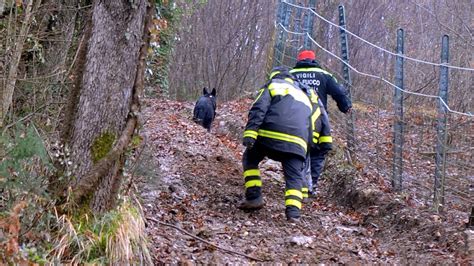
(308, 71)
(279, 127)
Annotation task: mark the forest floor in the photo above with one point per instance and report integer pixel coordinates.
(190, 182)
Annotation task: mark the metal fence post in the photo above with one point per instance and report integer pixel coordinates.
(278, 47)
(398, 107)
(347, 77)
(308, 25)
(298, 20)
(299, 39)
(440, 160)
(286, 23)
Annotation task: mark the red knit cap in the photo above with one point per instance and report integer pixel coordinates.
(306, 54)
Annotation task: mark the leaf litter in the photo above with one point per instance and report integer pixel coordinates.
(192, 180)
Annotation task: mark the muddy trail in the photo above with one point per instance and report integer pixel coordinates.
(190, 181)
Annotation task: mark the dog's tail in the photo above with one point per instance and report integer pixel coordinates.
(198, 116)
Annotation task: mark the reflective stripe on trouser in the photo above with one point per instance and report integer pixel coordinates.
(325, 134)
(305, 191)
(253, 181)
(252, 178)
(292, 169)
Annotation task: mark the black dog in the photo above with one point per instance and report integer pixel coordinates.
(205, 109)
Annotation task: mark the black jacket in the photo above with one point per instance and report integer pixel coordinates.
(321, 133)
(311, 74)
(280, 117)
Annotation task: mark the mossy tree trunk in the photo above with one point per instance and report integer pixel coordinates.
(104, 109)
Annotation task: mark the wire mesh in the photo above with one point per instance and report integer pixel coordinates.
(375, 115)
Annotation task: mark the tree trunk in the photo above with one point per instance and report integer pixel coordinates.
(104, 118)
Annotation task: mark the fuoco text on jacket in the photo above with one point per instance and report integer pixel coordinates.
(308, 78)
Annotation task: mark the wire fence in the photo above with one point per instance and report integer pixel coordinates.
(437, 151)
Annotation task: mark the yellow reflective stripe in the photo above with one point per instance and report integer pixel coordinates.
(252, 172)
(285, 89)
(250, 136)
(251, 133)
(305, 191)
(283, 137)
(314, 97)
(293, 202)
(315, 134)
(315, 116)
(294, 192)
(325, 139)
(278, 89)
(260, 92)
(310, 69)
(289, 80)
(315, 140)
(253, 183)
(273, 74)
(304, 69)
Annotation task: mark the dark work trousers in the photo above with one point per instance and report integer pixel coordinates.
(292, 169)
(314, 167)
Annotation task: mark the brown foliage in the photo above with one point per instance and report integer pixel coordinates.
(10, 231)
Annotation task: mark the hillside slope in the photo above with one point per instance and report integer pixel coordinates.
(191, 181)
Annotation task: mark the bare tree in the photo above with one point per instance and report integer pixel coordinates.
(224, 44)
(58, 26)
(14, 56)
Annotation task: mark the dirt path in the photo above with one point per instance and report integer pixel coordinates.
(191, 179)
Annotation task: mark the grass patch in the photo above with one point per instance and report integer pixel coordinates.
(115, 237)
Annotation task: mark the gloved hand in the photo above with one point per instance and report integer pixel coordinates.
(248, 142)
(323, 148)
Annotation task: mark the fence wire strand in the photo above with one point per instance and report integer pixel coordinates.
(374, 45)
(374, 118)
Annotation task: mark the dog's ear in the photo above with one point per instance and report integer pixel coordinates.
(204, 91)
(213, 93)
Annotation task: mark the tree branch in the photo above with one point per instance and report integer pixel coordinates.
(89, 182)
(205, 241)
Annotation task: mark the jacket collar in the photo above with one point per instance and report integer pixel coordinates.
(307, 63)
(284, 76)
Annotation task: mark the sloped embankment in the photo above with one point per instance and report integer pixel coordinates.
(190, 182)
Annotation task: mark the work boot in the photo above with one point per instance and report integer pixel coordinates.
(253, 204)
(293, 220)
(293, 214)
(308, 199)
(312, 193)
